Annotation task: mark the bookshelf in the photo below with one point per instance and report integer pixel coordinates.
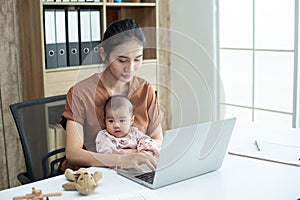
(38, 81)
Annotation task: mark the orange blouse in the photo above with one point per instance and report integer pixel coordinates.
(85, 102)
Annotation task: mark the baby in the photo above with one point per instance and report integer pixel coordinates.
(119, 133)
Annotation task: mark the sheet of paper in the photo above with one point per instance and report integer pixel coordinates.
(279, 152)
(282, 153)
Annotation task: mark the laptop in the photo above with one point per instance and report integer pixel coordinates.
(187, 152)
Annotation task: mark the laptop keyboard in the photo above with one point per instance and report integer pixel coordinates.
(148, 177)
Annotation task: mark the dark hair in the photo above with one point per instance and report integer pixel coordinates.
(120, 32)
(116, 101)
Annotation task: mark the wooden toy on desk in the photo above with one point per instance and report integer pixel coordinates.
(37, 195)
(82, 181)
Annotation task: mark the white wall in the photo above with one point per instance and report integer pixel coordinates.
(193, 58)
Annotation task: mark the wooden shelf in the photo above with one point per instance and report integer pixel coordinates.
(124, 4)
(83, 67)
(131, 4)
(39, 82)
(72, 3)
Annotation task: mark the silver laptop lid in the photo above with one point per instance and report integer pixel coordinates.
(191, 151)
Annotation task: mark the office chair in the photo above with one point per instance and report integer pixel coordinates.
(41, 136)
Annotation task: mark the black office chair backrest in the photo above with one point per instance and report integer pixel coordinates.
(37, 122)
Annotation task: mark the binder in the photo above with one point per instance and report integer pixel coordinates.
(60, 139)
(51, 141)
(56, 139)
(96, 36)
(50, 38)
(73, 38)
(61, 38)
(85, 37)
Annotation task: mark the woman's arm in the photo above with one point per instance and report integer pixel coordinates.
(76, 155)
(157, 135)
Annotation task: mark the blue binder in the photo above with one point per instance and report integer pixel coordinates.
(50, 39)
(96, 35)
(85, 37)
(61, 37)
(73, 38)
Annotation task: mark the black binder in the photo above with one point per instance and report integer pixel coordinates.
(50, 38)
(96, 35)
(85, 37)
(73, 38)
(61, 38)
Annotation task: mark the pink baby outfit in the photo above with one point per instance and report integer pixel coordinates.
(135, 139)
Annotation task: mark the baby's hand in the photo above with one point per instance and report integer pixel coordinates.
(148, 145)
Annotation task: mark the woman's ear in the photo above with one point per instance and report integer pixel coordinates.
(102, 53)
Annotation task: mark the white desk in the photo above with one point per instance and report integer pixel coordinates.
(275, 144)
(238, 178)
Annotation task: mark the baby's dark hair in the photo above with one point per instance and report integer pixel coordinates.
(116, 101)
(122, 31)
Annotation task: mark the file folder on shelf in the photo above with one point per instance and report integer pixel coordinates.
(61, 42)
(85, 37)
(96, 35)
(50, 39)
(73, 38)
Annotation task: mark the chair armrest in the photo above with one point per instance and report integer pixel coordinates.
(45, 158)
(22, 177)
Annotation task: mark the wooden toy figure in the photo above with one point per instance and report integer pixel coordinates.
(37, 195)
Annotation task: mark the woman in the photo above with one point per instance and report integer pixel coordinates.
(122, 52)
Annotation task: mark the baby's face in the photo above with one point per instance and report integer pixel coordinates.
(118, 121)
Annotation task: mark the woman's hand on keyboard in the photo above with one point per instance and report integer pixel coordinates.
(136, 159)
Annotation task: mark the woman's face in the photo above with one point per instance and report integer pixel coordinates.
(125, 59)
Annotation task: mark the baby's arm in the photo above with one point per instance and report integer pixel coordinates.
(147, 144)
(104, 143)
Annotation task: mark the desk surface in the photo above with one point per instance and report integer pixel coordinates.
(238, 178)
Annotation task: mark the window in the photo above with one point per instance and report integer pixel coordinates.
(258, 60)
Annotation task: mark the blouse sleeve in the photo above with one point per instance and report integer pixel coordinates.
(74, 109)
(155, 113)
